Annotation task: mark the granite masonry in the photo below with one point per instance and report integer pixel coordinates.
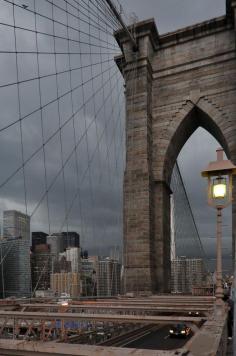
(174, 84)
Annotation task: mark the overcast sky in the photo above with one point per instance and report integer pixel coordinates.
(174, 14)
(81, 165)
(89, 187)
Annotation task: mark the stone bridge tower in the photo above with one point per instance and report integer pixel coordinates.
(174, 84)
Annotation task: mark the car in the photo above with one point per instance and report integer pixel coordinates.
(194, 313)
(64, 299)
(179, 330)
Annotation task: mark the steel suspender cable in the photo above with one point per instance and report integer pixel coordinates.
(119, 18)
(188, 241)
(71, 78)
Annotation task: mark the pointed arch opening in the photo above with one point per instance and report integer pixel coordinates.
(194, 119)
(197, 128)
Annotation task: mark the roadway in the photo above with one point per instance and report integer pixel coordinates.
(158, 340)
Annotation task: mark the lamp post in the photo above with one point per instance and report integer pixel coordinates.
(220, 176)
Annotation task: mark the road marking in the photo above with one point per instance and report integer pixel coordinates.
(166, 337)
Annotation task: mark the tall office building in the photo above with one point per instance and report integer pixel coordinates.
(16, 224)
(66, 274)
(38, 238)
(71, 239)
(56, 244)
(186, 274)
(89, 266)
(179, 275)
(108, 277)
(196, 275)
(41, 265)
(65, 282)
(59, 242)
(15, 267)
(61, 264)
(73, 255)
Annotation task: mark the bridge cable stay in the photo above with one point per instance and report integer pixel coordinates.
(122, 23)
(66, 116)
(187, 239)
(183, 208)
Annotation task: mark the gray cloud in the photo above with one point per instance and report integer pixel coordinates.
(97, 211)
(96, 168)
(174, 14)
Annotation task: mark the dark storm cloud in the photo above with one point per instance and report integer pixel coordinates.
(93, 174)
(97, 210)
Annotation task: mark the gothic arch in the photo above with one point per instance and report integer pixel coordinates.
(202, 114)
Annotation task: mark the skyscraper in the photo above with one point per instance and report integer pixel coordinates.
(186, 273)
(60, 241)
(73, 255)
(16, 224)
(15, 267)
(71, 239)
(66, 274)
(89, 266)
(38, 238)
(41, 266)
(108, 278)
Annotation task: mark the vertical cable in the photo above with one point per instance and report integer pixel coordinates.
(95, 118)
(84, 114)
(21, 139)
(73, 112)
(19, 108)
(41, 120)
(59, 118)
(2, 264)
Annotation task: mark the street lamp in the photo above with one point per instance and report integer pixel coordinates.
(220, 177)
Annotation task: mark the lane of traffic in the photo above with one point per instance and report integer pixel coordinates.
(160, 340)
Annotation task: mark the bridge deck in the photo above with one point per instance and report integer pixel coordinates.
(99, 317)
(142, 308)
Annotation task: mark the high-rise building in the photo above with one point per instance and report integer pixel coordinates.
(16, 224)
(179, 275)
(66, 274)
(89, 266)
(38, 238)
(60, 264)
(186, 274)
(56, 244)
(66, 282)
(73, 255)
(71, 239)
(41, 265)
(59, 242)
(108, 277)
(15, 267)
(196, 275)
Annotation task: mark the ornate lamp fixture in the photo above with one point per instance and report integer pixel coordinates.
(220, 177)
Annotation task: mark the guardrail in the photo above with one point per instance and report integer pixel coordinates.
(211, 339)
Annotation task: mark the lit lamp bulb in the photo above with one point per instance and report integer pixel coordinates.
(219, 188)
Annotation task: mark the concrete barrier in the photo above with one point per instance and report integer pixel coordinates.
(211, 339)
